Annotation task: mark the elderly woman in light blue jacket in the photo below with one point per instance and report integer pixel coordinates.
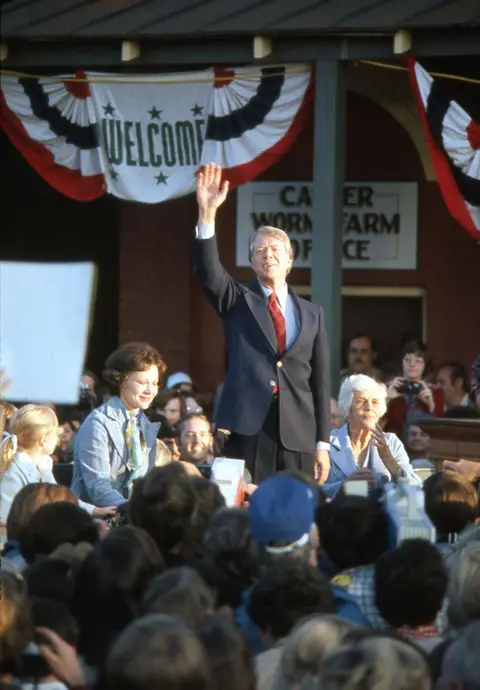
(116, 444)
(360, 450)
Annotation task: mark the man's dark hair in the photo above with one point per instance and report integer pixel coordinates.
(157, 651)
(457, 371)
(364, 336)
(462, 412)
(209, 500)
(229, 654)
(162, 503)
(451, 502)
(229, 544)
(288, 591)
(128, 359)
(55, 524)
(29, 499)
(231, 559)
(182, 422)
(109, 588)
(91, 374)
(353, 531)
(410, 584)
(180, 592)
(50, 579)
(55, 616)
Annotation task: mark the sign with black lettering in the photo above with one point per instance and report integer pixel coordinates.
(379, 221)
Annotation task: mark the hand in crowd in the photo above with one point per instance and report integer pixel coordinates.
(470, 469)
(62, 659)
(426, 397)
(322, 465)
(393, 391)
(107, 512)
(379, 440)
(211, 193)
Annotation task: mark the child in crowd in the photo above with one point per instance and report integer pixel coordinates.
(25, 456)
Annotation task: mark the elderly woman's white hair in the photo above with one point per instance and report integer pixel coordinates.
(360, 383)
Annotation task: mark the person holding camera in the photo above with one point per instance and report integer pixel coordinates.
(411, 393)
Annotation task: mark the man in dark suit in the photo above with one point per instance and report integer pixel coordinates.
(276, 396)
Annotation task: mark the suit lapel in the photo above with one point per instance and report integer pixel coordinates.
(340, 451)
(304, 322)
(257, 303)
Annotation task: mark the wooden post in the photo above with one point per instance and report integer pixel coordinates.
(130, 50)
(262, 47)
(327, 217)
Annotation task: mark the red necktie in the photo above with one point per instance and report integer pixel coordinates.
(279, 323)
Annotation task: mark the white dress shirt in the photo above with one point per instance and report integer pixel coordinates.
(205, 231)
(287, 307)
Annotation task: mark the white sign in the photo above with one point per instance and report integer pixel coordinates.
(379, 221)
(45, 313)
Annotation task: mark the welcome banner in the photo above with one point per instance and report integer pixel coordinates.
(143, 137)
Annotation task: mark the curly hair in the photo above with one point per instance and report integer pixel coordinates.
(129, 358)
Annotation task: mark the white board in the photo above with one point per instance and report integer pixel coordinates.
(44, 325)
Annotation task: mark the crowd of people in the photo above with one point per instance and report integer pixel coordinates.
(134, 574)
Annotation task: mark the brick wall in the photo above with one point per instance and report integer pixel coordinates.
(161, 302)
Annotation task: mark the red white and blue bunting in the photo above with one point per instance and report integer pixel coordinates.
(53, 125)
(454, 142)
(143, 138)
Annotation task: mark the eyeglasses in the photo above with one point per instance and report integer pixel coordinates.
(413, 359)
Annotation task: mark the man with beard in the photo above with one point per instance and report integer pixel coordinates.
(195, 440)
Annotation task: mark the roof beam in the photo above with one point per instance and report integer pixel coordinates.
(107, 54)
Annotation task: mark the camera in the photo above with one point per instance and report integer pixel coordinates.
(205, 471)
(410, 387)
(87, 401)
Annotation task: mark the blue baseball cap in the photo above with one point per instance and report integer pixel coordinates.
(282, 509)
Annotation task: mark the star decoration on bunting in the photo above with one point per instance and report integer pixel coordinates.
(154, 113)
(161, 178)
(108, 109)
(197, 110)
(113, 174)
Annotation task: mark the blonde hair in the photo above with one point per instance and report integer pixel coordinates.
(8, 409)
(15, 622)
(277, 234)
(29, 425)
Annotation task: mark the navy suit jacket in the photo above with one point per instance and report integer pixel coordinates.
(254, 365)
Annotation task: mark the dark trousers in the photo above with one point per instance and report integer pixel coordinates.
(263, 452)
